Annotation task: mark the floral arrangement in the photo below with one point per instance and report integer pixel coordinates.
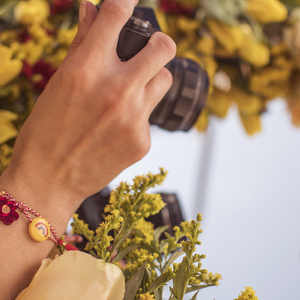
(128, 259)
(250, 49)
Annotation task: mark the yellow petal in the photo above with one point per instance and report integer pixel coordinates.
(219, 102)
(252, 51)
(230, 37)
(7, 132)
(33, 11)
(76, 275)
(95, 2)
(267, 11)
(7, 129)
(9, 71)
(7, 116)
(202, 122)
(5, 55)
(251, 123)
(248, 103)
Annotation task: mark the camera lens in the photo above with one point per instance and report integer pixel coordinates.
(183, 103)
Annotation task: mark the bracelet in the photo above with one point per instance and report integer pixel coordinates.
(38, 228)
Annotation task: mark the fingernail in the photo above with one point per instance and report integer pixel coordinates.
(82, 11)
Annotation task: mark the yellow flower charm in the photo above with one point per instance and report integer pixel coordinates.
(32, 11)
(9, 68)
(75, 275)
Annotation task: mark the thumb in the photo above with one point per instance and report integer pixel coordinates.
(87, 15)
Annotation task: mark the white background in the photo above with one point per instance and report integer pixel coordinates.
(248, 191)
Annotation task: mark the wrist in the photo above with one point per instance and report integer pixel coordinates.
(44, 201)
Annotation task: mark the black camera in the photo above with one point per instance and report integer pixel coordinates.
(183, 103)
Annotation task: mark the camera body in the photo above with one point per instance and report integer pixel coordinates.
(183, 103)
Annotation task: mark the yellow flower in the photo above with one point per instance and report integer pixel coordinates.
(57, 58)
(75, 275)
(95, 2)
(266, 11)
(32, 11)
(9, 68)
(247, 103)
(146, 296)
(248, 294)
(30, 51)
(252, 125)
(7, 129)
(66, 36)
(253, 51)
(202, 122)
(219, 102)
(5, 156)
(229, 37)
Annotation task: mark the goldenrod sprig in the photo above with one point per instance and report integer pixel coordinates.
(150, 260)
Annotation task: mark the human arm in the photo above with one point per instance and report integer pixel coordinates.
(89, 124)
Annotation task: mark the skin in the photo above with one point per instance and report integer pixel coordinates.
(89, 124)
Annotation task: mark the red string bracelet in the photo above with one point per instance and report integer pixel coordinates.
(39, 228)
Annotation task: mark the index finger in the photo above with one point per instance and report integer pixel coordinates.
(104, 33)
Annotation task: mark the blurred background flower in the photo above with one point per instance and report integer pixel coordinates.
(249, 48)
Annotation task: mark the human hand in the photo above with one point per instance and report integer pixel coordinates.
(91, 121)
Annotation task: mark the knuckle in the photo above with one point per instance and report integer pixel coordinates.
(137, 138)
(69, 77)
(121, 92)
(142, 147)
(163, 43)
(116, 10)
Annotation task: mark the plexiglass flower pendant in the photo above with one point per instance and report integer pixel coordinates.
(8, 212)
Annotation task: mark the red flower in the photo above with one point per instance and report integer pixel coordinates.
(27, 70)
(24, 36)
(8, 212)
(41, 67)
(172, 7)
(61, 6)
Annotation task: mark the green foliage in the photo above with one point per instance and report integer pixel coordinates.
(149, 260)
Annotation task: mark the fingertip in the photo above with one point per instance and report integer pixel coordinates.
(82, 11)
(87, 12)
(92, 11)
(164, 43)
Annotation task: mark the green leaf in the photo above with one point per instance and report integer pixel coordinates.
(162, 245)
(125, 251)
(172, 258)
(159, 231)
(172, 293)
(132, 285)
(158, 294)
(179, 281)
(138, 233)
(158, 282)
(121, 240)
(226, 11)
(197, 287)
(195, 296)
